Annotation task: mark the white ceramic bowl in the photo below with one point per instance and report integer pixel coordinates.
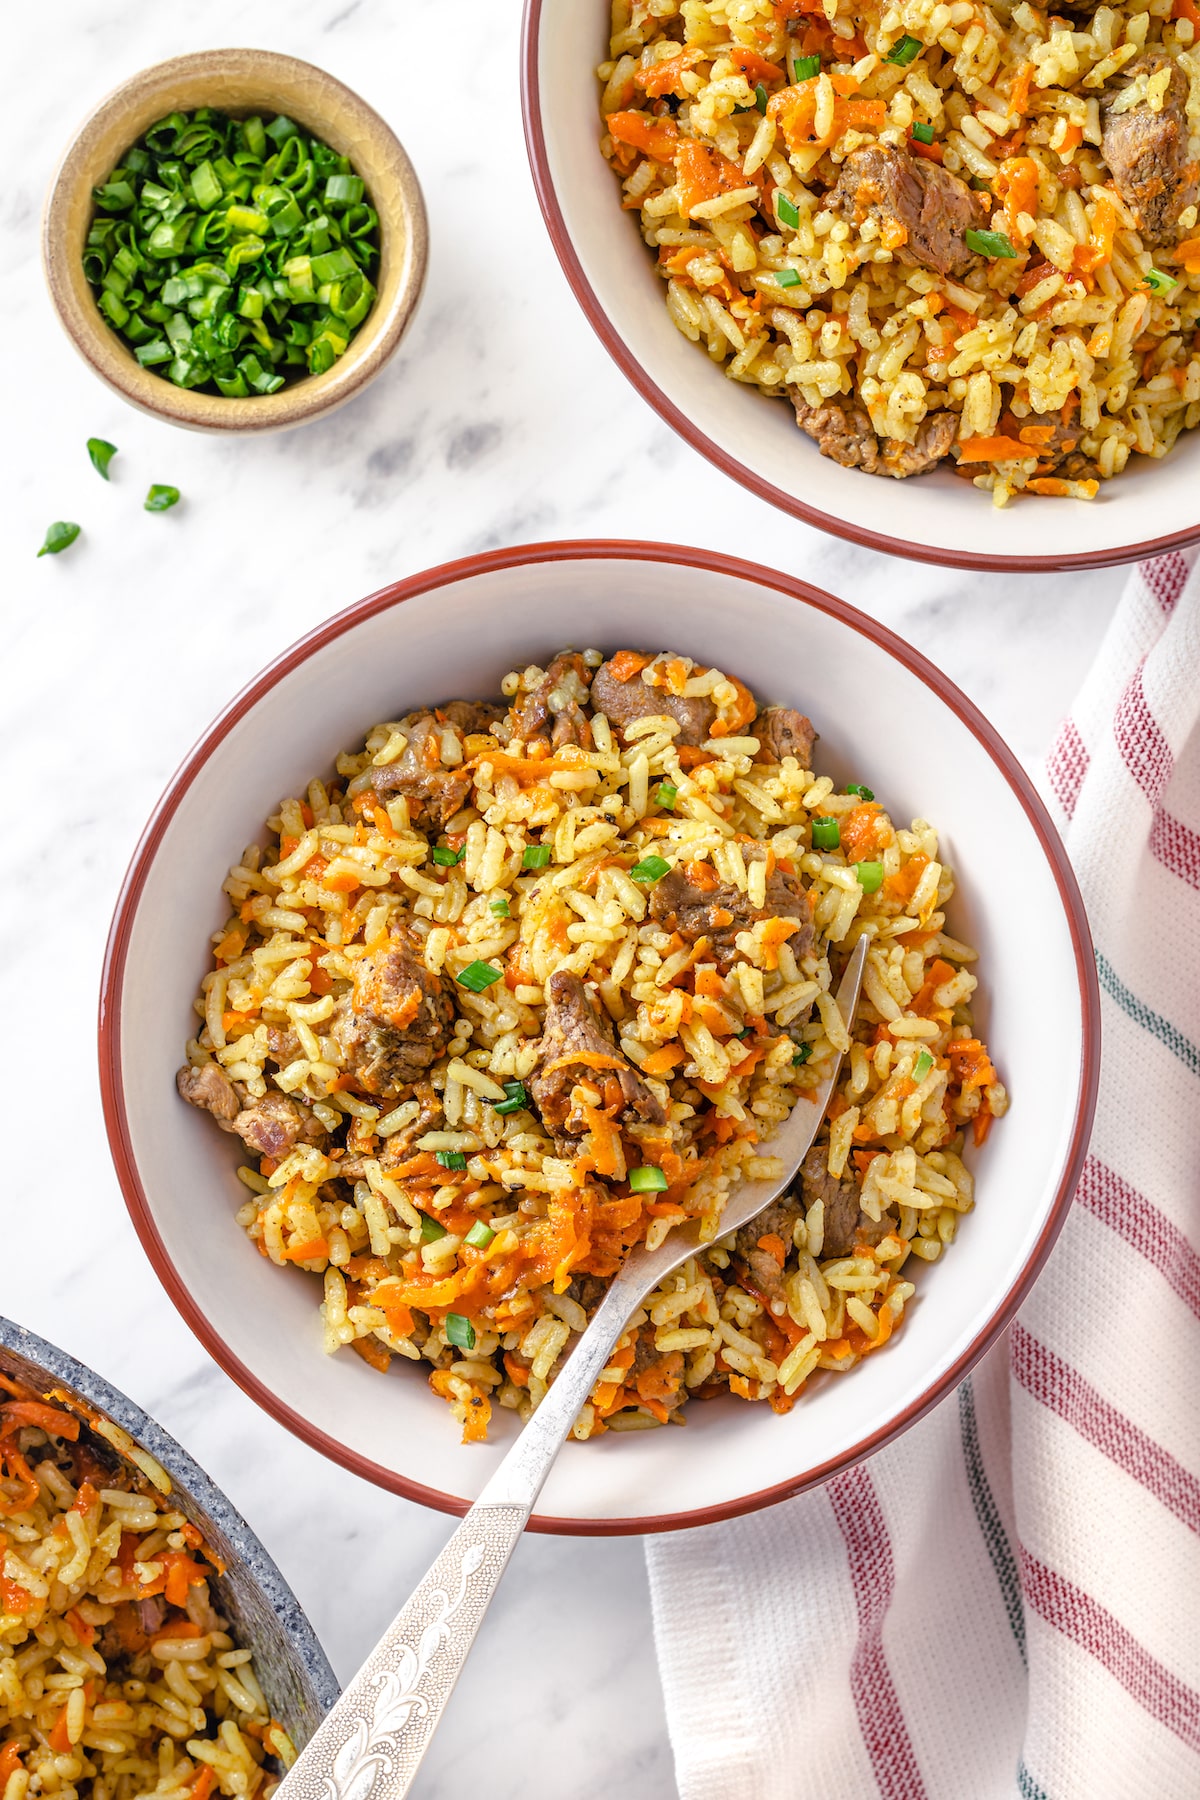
(456, 630)
(938, 517)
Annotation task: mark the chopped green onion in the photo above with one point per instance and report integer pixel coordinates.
(160, 498)
(787, 278)
(460, 1332)
(516, 1098)
(805, 67)
(905, 51)
(787, 210)
(826, 834)
(666, 795)
(431, 1231)
(922, 132)
(802, 1055)
(478, 975)
(760, 99)
(101, 453)
(500, 908)
(60, 534)
(648, 1180)
(864, 793)
(988, 243)
(870, 876)
(445, 856)
(1158, 283)
(479, 1236)
(536, 856)
(651, 868)
(922, 1066)
(452, 1159)
(343, 190)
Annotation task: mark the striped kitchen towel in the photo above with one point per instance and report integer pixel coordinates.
(1006, 1601)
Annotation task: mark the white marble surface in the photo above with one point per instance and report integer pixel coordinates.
(501, 420)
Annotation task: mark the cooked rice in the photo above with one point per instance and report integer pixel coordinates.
(1088, 329)
(118, 1678)
(726, 1052)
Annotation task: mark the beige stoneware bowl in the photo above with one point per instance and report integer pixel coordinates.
(238, 82)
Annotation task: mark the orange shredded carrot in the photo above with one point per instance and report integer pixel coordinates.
(658, 138)
(344, 882)
(774, 1246)
(17, 1469)
(661, 1062)
(60, 1737)
(1018, 99)
(373, 1353)
(308, 1251)
(938, 974)
(931, 152)
(990, 449)
(15, 1413)
(970, 1064)
(701, 875)
(400, 1320)
(1188, 253)
(10, 1761)
(754, 67)
(204, 1783)
(859, 831)
(664, 77)
(178, 1630)
(702, 174)
(518, 1373)
(83, 1631)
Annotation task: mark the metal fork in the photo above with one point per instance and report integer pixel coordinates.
(371, 1743)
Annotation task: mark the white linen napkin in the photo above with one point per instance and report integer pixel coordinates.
(1006, 1601)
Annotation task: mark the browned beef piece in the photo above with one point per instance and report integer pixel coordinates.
(210, 1088)
(844, 1217)
(397, 1019)
(588, 1290)
(557, 702)
(435, 793)
(843, 431)
(1147, 151)
(907, 195)
(720, 912)
(573, 1028)
(271, 1126)
(777, 1220)
(622, 702)
(781, 731)
(475, 717)
(1056, 445)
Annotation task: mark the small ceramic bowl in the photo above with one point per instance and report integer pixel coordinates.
(238, 82)
(457, 630)
(266, 1617)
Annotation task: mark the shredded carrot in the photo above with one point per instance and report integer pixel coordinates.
(17, 1469)
(177, 1631)
(931, 152)
(661, 1062)
(664, 77)
(701, 875)
(938, 974)
(981, 1124)
(10, 1762)
(518, 1373)
(60, 1737)
(83, 1631)
(970, 1064)
(588, 1059)
(754, 67)
(1187, 9)
(1018, 99)
(15, 1413)
(702, 174)
(1017, 185)
(658, 138)
(204, 1783)
(990, 449)
(344, 882)
(308, 1251)
(859, 831)
(774, 1246)
(373, 1353)
(1188, 254)
(400, 1320)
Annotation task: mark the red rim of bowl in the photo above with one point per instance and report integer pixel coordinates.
(112, 1091)
(647, 387)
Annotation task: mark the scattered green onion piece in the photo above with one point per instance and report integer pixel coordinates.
(479, 1236)
(787, 210)
(905, 51)
(477, 976)
(101, 453)
(864, 793)
(343, 190)
(648, 1180)
(60, 534)
(805, 67)
(446, 857)
(760, 99)
(922, 132)
(431, 1231)
(516, 1099)
(161, 498)
(826, 834)
(988, 243)
(870, 876)
(651, 868)
(452, 1159)
(500, 908)
(460, 1332)
(1158, 283)
(802, 1055)
(281, 128)
(666, 795)
(922, 1066)
(536, 856)
(787, 278)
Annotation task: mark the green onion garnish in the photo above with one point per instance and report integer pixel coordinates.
(1157, 282)
(787, 210)
(517, 1098)
(445, 856)
(760, 99)
(805, 67)
(787, 278)
(922, 132)
(160, 498)
(802, 1055)
(500, 908)
(870, 876)
(826, 834)
(651, 868)
(903, 53)
(101, 453)
(536, 856)
(452, 1159)
(460, 1332)
(60, 534)
(431, 1231)
(479, 975)
(922, 1066)
(479, 1236)
(648, 1180)
(666, 795)
(864, 793)
(988, 243)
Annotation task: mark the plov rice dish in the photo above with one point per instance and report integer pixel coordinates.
(526, 984)
(946, 231)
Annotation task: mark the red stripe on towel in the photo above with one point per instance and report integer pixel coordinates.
(1067, 766)
(1063, 1389)
(1165, 576)
(1086, 1623)
(1176, 846)
(1145, 750)
(873, 1577)
(1142, 1226)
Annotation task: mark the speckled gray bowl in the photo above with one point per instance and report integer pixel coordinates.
(265, 1615)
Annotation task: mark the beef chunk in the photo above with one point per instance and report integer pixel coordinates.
(474, 717)
(210, 1088)
(574, 1028)
(1147, 151)
(719, 913)
(271, 1126)
(560, 696)
(397, 1020)
(923, 212)
(776, 1220)
(843, 431)
(588, 1291)
(844, 1217)
(622, 702)
(781, 731)
(435, 792)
